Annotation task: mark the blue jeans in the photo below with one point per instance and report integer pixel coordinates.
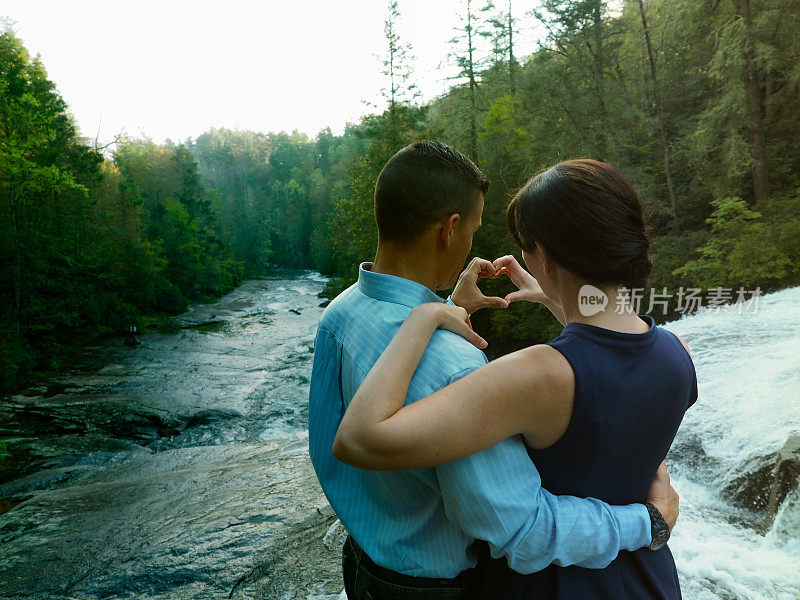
(365, 580)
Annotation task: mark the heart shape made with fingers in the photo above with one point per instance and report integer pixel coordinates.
(468, 295)
(528, 287)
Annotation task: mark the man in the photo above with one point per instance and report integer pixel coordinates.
(412, 532)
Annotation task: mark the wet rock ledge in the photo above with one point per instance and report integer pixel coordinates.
(226, 521)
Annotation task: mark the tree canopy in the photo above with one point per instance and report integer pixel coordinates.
(696, 101)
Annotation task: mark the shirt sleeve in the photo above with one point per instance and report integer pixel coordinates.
(496, 495)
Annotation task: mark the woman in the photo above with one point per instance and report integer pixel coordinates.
(598, 407)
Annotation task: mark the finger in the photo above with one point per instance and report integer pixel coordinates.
(473, 338)
(505, 261)
(496, 301)
(477, 264)
(469, 274)
(464, 329)
(513, 269)
(477, 341)
(478, 268)
(484, 267)
(514, 297)
(515, 272)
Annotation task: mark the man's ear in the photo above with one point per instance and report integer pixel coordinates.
(448, 224)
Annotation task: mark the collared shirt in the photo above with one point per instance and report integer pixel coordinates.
(422, 522)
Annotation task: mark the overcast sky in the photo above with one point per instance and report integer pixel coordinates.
(175, 68)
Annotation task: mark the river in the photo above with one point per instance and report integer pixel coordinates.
(178, 468)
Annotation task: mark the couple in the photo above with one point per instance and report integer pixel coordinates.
(538, 475)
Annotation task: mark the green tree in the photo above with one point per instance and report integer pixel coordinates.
(736, 253)
(45, 174)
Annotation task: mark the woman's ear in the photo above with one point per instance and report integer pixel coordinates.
(546, 260)
(447, 229)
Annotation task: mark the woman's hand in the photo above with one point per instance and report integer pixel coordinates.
(529, 288)
(452, 318)
(467, 294)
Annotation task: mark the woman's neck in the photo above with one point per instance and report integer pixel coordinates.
(608, 307)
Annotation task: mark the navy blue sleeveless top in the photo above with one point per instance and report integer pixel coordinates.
(631, 392)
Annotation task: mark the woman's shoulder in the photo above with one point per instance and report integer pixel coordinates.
(550, 400)
(543, 370)
(681, 340)
(536, 369)
(676, 342)
(681, 357)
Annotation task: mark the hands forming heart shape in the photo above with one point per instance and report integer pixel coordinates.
(468, 295)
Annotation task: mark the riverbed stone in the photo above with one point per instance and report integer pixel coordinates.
(762, 483)
(197, 522)
(175, 469)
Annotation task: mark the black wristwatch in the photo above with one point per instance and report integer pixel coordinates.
(658, 527)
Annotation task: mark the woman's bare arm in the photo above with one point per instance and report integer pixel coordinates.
(528, 392)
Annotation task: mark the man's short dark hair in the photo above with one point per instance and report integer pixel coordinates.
(420, 185)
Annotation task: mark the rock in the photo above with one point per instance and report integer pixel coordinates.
(53, 432)
(290, 569)
(210, 325)
(240, 520)
(177, 471)
(295, 311)
(324, 304)
(763, 483)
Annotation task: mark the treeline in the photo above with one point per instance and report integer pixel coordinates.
(697, 101)
(273, 192)
(91, 244)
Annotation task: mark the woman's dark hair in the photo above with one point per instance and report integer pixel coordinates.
(589, 218)
(422, 183)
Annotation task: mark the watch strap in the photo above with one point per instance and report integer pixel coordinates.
(658, 527)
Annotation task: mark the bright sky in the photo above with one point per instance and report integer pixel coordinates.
(175, 68)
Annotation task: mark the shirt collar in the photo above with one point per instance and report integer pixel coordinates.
(389, 288)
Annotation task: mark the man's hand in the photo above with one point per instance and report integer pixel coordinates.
(664, 497)
(467, 295)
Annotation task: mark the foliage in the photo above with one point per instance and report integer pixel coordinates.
(89, 243)
(735, 254)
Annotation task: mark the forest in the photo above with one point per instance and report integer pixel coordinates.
(696, 101)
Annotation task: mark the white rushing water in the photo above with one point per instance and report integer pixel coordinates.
(748, 372)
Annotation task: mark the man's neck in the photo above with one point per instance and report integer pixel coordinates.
(414, 264)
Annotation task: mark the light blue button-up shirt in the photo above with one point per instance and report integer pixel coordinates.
(422, 522)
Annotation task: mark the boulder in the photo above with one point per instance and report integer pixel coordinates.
(232, 521)
(762, 483)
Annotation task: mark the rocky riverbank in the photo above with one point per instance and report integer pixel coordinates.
(177, 468)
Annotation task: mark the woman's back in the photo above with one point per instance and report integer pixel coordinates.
(631, 392)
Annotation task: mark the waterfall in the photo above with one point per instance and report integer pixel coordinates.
(730, 544)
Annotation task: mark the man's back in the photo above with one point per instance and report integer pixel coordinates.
(398, 517)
